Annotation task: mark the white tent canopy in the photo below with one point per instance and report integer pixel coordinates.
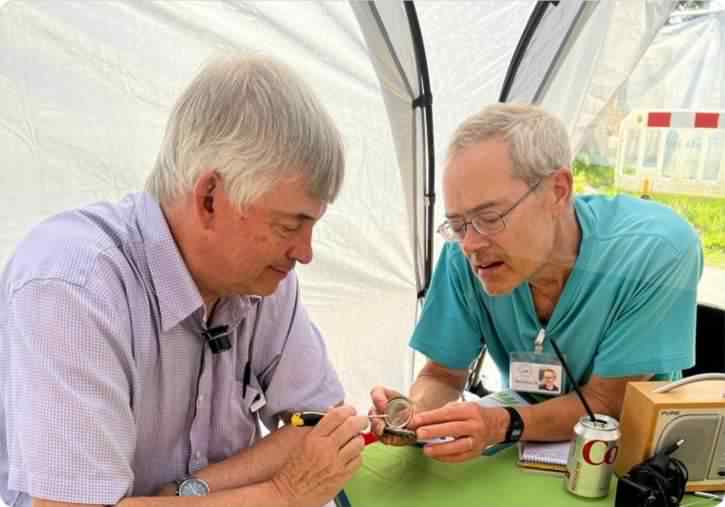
(85, 88)
(682, 69)
(578, 57)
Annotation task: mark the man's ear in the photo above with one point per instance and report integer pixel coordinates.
(562, 183)
(206, 192)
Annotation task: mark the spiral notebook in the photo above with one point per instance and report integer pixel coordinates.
(544, 455)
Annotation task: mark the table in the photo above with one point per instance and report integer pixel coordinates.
(405, 477)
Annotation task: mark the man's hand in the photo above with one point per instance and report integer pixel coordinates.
(380, 396)
(326, 460)
(473, 428)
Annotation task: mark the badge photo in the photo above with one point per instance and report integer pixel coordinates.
(550, 379)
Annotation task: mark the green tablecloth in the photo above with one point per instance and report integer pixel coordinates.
(405, 477)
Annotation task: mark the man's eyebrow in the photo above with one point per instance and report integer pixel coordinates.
(295, 216)
(477, 209)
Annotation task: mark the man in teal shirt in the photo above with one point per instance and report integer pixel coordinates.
(613, 281)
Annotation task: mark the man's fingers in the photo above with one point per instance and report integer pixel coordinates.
(450, 429)
(459, 448)
(450, 412)
(350, 429)
(380, 396)
(334, 418)
(352, 449)
(377, 426)
(352, 466)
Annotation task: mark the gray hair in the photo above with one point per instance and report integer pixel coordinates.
(538, 141)
(255, 122)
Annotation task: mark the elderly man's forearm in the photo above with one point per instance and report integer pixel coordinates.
(255, 464)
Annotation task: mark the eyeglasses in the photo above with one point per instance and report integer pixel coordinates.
(486, 223)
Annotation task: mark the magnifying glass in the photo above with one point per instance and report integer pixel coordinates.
(398, 413)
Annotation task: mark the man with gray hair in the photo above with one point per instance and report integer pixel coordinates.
(143, 344)
(612, 281)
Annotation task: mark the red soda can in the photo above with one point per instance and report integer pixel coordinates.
(592, 456)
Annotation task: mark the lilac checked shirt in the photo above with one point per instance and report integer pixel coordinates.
(106, 387)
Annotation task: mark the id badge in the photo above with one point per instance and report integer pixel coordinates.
(534, 372)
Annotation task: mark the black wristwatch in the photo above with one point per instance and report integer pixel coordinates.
(516, 426)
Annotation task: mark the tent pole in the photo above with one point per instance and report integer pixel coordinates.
(425, 102)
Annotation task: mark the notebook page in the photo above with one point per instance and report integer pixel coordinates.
(552, 453)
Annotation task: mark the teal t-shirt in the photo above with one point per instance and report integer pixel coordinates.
(628, 307)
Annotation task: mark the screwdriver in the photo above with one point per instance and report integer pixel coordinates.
(311, 418)
(398, 413)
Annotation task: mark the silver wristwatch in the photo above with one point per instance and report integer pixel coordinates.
(192, 486)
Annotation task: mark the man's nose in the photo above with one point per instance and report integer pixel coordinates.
(474, 240)
(302, 249)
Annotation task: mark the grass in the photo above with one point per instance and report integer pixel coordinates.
(597, 177)
(706, 214)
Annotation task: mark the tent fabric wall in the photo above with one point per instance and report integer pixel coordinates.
(604, 44)
(682, 69)
(611, 43)
(385, 27)
(549, 29)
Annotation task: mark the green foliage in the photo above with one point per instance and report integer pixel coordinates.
(592, 177)
(706, 214)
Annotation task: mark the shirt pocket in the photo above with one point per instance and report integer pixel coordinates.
(242, 428)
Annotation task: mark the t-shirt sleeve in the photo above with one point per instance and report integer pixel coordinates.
(67, 395)
(300, 375)
(448, 331)
(653, 331)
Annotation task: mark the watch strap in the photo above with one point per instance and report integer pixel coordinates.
(178, 483)
(516, 426)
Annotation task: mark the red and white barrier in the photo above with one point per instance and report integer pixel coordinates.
(685, 119)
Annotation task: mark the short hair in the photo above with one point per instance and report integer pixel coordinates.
(255, 122)
(538, 141)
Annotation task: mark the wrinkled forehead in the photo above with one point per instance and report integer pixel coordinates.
(478, 174)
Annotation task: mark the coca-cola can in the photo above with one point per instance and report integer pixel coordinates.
(592, 456)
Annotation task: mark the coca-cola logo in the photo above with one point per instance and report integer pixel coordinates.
(594, 455)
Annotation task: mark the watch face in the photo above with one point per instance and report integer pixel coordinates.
(193, 487)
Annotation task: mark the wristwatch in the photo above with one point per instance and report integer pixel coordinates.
(516, 426)
(192, 486)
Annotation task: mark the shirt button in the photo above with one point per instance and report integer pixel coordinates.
(201, 397)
